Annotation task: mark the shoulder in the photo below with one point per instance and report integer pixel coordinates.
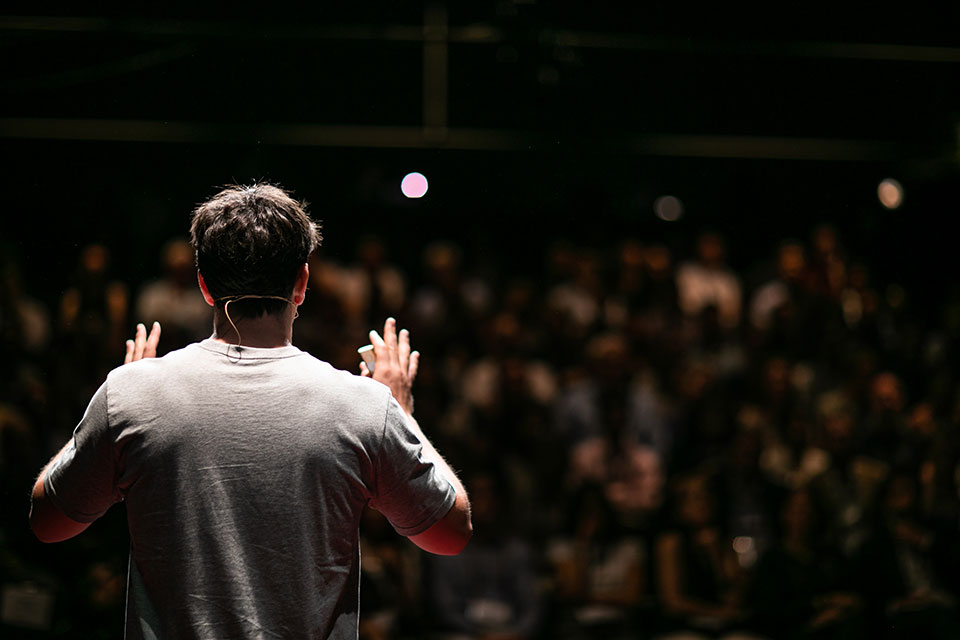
(357, 399)
(133, 372)
(343, 382)
(150, 367)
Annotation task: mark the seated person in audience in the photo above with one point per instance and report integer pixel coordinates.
(490, 591)
(802, 590)
(898, 576)
(708, 281)
(698, 580)
(599, 572)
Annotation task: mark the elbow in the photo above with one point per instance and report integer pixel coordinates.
(461, 526)
(466, 530)
(458, 539)
(39, 515)
(449, 536)
(49, 524)
(454, 546)
(44, 538)
(41, 532)
(466, 533)
(57, 533)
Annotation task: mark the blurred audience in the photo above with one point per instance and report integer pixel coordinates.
(700, 585)
(810, 438)
(490, 591)
(803, 588)
(600, 576)
(175, 300)
(898, 576)
(707, 281)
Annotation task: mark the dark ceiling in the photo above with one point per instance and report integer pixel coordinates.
(554, 110)
(521, 67)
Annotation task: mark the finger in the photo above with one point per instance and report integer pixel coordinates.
(413, 367)
(139, 342)
(150, 349)
(364, 371)
(390, 333)
(379, 348)
(403, 349)
(128, 357)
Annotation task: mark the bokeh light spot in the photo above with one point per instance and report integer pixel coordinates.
(414, 185)
(668, 208)
(890, 193)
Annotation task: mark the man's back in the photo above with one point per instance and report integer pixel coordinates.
(244, 474)
(246, 463)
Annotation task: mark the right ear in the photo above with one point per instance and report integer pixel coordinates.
(205, 291)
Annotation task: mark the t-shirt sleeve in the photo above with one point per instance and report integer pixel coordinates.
(82, 483)
(410, 491)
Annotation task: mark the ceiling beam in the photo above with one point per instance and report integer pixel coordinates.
(479, 34)
(465, 139)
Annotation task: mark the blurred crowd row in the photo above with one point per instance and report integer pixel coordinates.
(656, 444)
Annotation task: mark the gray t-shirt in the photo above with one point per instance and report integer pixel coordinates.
(244, 476)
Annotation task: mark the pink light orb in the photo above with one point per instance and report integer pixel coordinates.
(414, 185)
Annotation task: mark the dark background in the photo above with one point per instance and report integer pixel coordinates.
(555, 120)
(535, 122)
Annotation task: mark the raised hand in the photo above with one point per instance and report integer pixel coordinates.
(143, 346)
(396, 364)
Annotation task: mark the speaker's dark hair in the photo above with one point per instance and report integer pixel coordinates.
(252, 240)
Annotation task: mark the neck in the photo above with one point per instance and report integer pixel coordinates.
(269, 331)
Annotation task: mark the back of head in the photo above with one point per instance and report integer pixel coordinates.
(252, 241)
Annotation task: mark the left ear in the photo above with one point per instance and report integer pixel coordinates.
(300, 286)
(204, 290)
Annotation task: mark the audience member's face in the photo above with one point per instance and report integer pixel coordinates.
(696, 503)
(371, 253)
(791, 262)
(694, 381)
(886, 393)
(631, 267)
(922, 421)
(94, 259)
(776, 376)
(443, 264)
(631, 255)
(858, 277)
(503, 332)
(710, 249)
(609, 358)
(838, 428)
(901, 494)
(178, 262)
(825, 241)
(658, 262)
